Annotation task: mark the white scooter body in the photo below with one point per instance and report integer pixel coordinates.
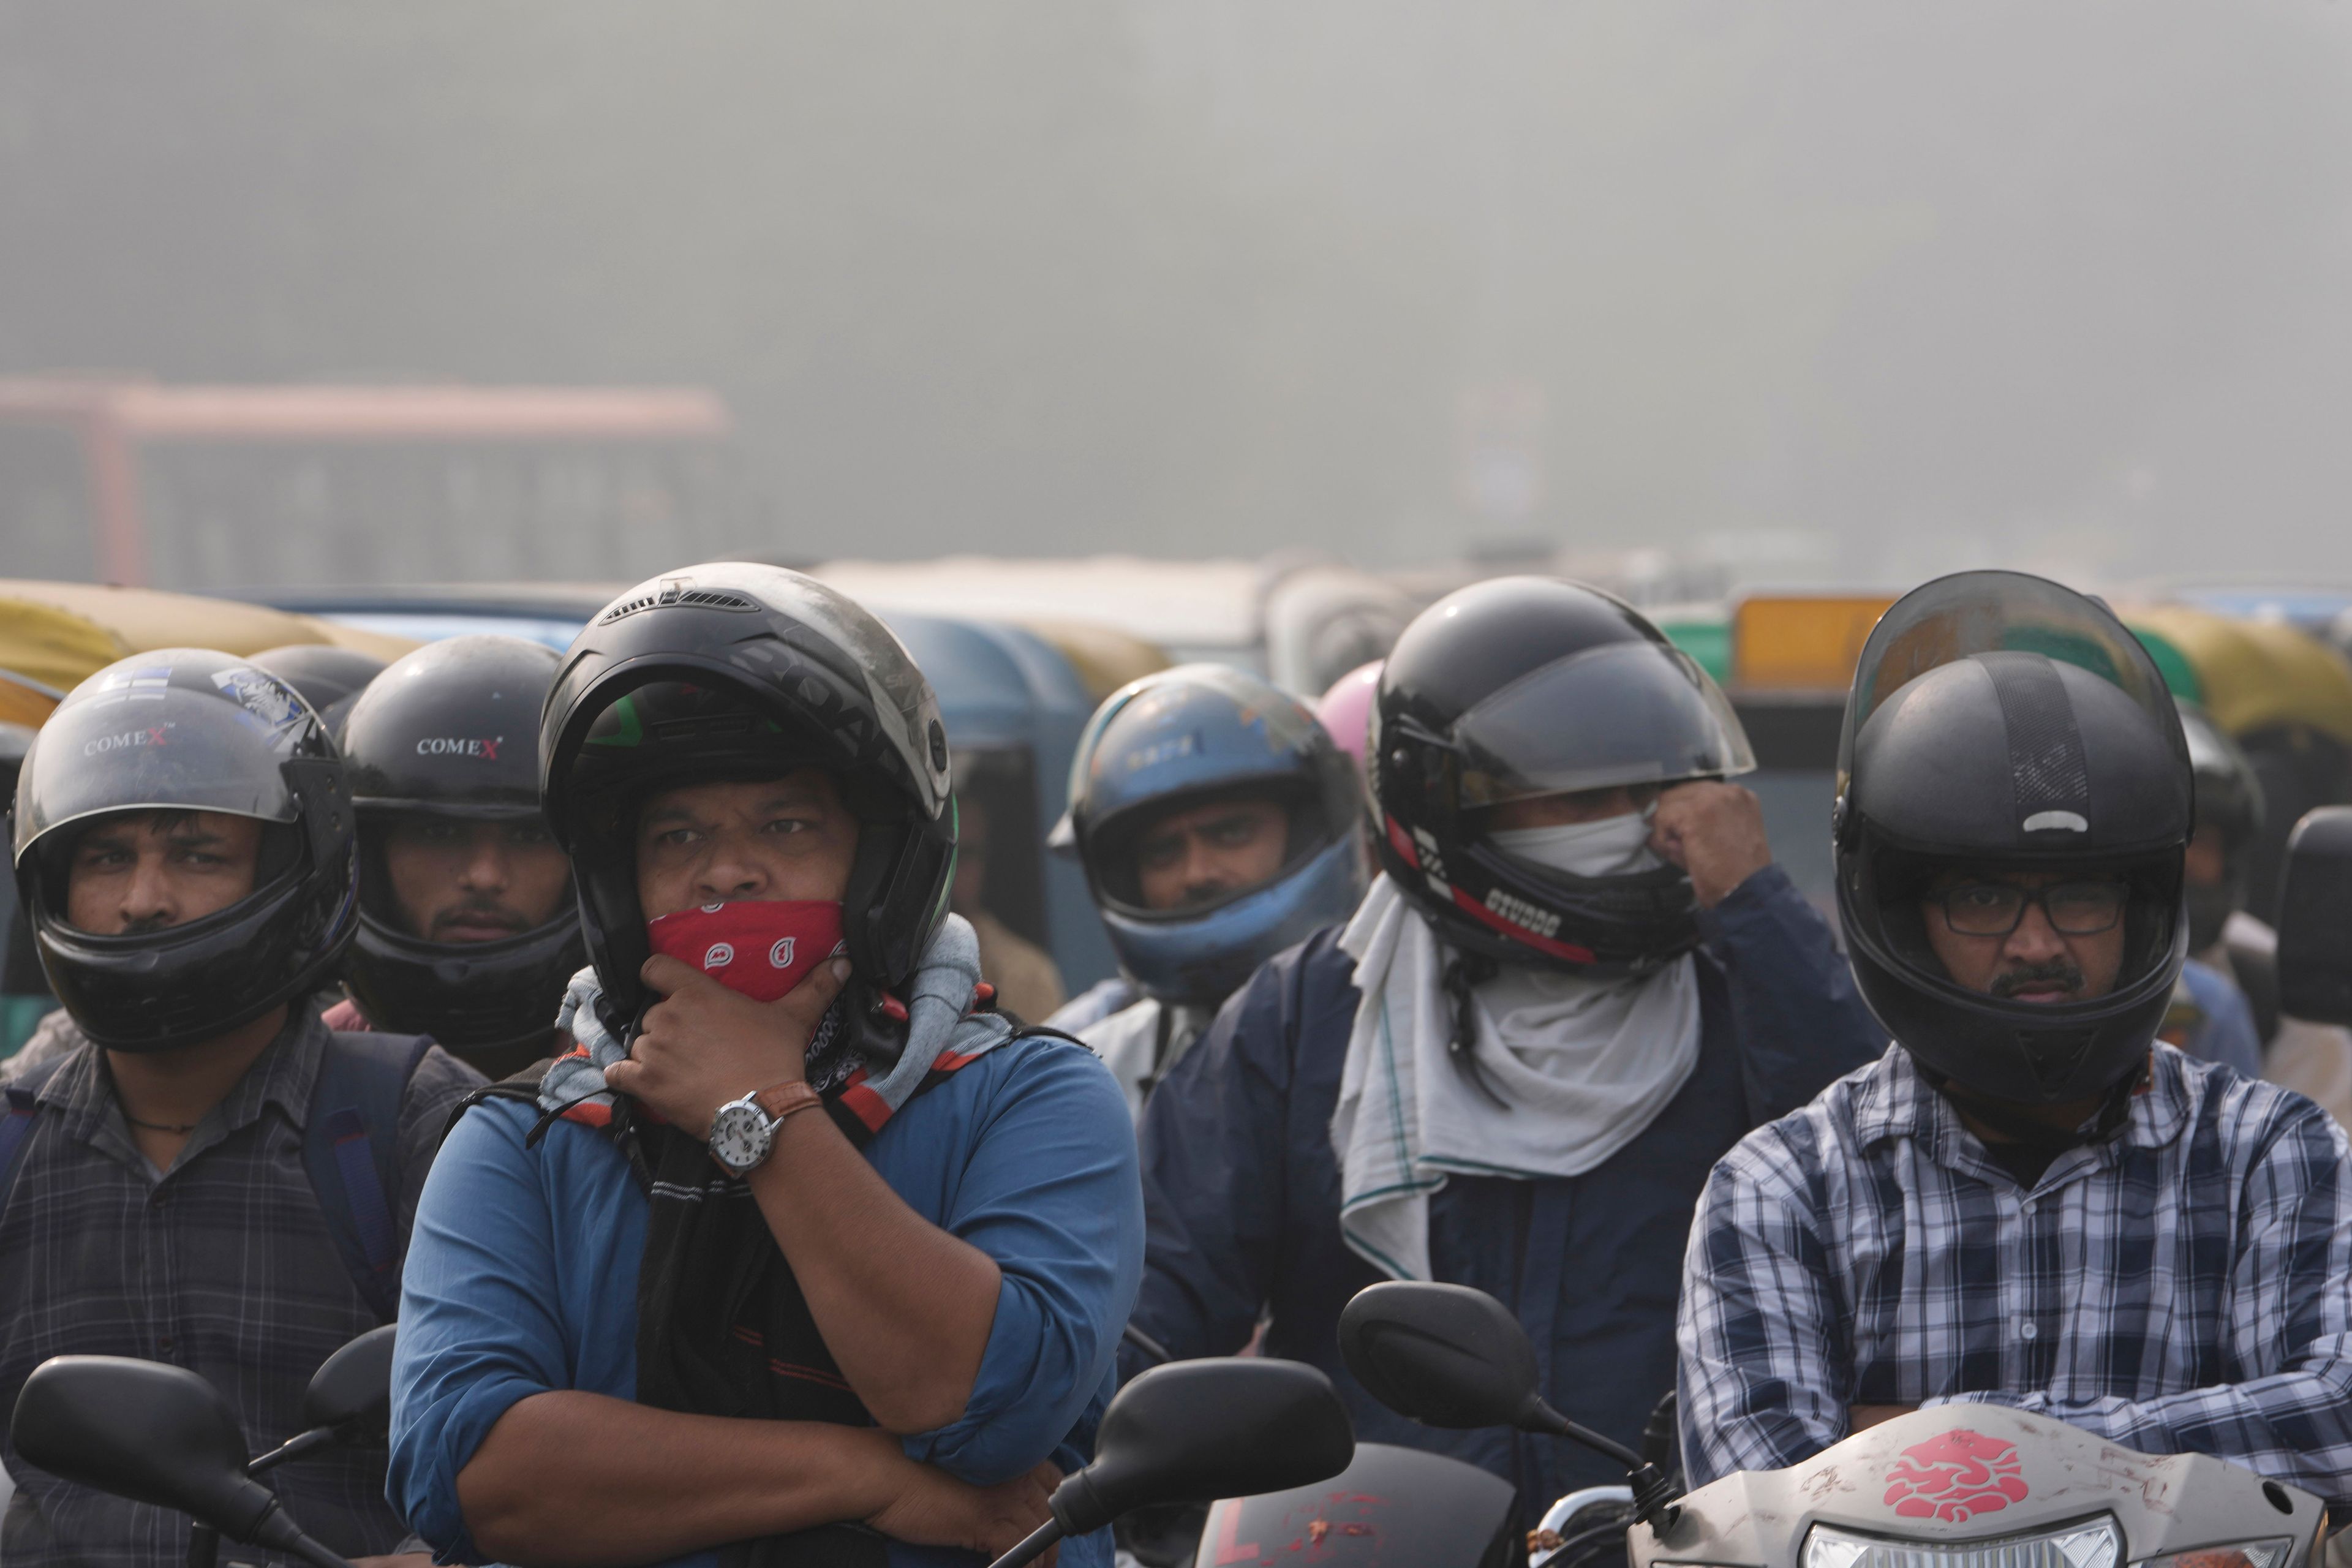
(1977, 1486)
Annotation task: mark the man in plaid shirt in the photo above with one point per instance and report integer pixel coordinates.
(184, 838)
(2024, 1201)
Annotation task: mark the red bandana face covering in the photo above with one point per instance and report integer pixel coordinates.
(762, 947)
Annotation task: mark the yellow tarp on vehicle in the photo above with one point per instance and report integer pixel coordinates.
(24, 702)
(2258, 675)
(1105, 660)
(47, 644)
(57, 635)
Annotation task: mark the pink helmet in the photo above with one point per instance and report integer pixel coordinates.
(1346, 709)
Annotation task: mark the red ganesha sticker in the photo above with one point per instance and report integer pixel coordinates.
(1954, 1477)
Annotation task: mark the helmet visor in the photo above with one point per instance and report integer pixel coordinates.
(141, 739)
(1623, 713)
(1179, 857)
(1972, 613)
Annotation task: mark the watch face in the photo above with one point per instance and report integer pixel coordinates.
(740, 1135)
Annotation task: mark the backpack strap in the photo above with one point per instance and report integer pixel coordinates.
(16, 1126)
(351, 1150)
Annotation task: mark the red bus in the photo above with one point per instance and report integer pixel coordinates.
(206, 488)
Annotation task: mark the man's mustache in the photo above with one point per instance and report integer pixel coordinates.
(1201, 893)
(475, 914)
(2060, 971)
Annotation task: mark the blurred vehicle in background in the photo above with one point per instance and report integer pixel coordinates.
(53, 636)
(2314, 608)
(2283, 694)
(206, 488)
(550, 614)
(1298, 622)
(1785, 660)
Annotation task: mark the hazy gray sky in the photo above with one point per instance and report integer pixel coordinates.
(2043, 281)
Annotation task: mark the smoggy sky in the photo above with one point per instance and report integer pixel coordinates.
(1890, 287)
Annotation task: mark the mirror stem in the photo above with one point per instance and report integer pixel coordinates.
(1653, 1495)
(294, 1448)
(1031, 1546)
(1542, 1417)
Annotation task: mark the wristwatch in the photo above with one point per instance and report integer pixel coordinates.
(744, 1130)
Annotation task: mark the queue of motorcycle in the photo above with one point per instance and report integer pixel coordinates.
(162, 1435)
(1269, 1444)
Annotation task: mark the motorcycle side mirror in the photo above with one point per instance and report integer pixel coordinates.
(1446, 1355)
(154, 1434)
(2314, 925)
(1194, 1431)
(1450, 1356)
(352, 1390)
(349, 1400)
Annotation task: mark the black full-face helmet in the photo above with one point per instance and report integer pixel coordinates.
(330, 679)
(2230, 802)
(189, 729)
(1519, 687)
(1999, 721)
(451, 732)
(733, 670)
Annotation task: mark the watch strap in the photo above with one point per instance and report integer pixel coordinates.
(784, 1099)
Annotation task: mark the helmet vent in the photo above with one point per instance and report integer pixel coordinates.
(630, 607)
(701, 598)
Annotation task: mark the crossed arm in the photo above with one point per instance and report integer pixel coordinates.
(980, 1367)
(1768, 1366)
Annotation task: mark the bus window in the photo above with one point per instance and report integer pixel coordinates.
(271, 514)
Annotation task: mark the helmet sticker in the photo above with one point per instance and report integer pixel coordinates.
(260, 695)
(146, 683)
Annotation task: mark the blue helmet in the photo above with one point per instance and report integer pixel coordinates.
(1193, 736)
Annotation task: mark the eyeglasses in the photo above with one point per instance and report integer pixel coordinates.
(1994, 908)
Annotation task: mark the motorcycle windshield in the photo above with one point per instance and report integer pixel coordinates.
(171, 731)
(1623, 713)
(1970, 613)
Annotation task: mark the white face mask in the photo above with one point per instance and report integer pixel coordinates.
(1611, 847)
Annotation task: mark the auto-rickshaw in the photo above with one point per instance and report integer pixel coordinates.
(2282, 694)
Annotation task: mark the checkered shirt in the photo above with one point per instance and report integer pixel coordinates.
(2185, 1286)
(224, 1266)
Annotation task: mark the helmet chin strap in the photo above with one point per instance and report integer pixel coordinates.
(2016, 1124)
(1465, 972)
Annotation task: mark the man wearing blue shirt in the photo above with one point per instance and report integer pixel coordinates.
(654, 1311)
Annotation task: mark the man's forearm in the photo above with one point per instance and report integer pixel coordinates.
(575, 1479)
(2292, 1426)
(905, 1308)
